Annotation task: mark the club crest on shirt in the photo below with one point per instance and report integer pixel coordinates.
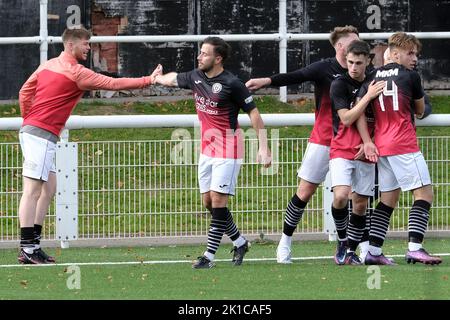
(216, 88)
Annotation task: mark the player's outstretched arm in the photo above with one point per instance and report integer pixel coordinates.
(264, 154)
(168, 79)
(87, 79)
(257, 83)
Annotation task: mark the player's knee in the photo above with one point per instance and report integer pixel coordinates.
(340, 199)
(32, 193)
(359, 207)
(208, 206)
(425, 194)
(218, 200)
(306, 191)
(48, 192)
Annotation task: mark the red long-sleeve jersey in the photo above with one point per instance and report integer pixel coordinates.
(48, 97)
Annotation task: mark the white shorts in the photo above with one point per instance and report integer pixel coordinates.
(407, 171)
(218, 174)
(39, 156)
(359, 175)
(315, 161)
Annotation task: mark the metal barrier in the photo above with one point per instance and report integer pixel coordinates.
(148, 189)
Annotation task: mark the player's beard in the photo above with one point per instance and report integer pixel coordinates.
(206, 68)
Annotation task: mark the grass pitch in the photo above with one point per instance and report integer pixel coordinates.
(165, 273)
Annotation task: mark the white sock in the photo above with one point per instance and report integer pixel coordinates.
(286, 240)
(412, 246)
(239, 242)
(375, 251)
(209, 255)
(28, 250)
(364, 246)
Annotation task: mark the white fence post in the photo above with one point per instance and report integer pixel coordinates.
(283, 46)
(328, 222)
(43, 30)
(66, 190)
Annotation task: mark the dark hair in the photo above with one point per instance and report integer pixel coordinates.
(340, 32)
(358, 47)
(221, 48)
(75, 32)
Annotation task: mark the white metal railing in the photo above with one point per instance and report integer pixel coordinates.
(190, 120)
(282, 37)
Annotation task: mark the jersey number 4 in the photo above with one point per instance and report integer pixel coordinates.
(393, 92)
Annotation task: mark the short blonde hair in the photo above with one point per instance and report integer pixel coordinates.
(340, 32)
(76, 32)
(404, 41)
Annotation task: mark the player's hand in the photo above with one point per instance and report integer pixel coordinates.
(255, 84)
(375, 88)
(264, 157)
(371, 151)
(360, 154)
(158, 71)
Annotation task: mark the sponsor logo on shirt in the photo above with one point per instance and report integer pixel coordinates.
(387, 73)
(205, 105)
(197, 81)
(249, 99)
(216, 88)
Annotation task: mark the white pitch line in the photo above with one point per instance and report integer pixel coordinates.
(110, 263)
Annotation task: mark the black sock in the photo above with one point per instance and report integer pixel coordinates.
(294, 212)
(37, 234)
(365, 236)
(27, 238)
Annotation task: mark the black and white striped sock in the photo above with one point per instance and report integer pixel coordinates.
(365, 236)
(216, 229)
(418, 220)
(340, 217)
(294, 212)
(27, 239)
(231, 229)
(355, 231)
(379, 224)
(37, 235)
